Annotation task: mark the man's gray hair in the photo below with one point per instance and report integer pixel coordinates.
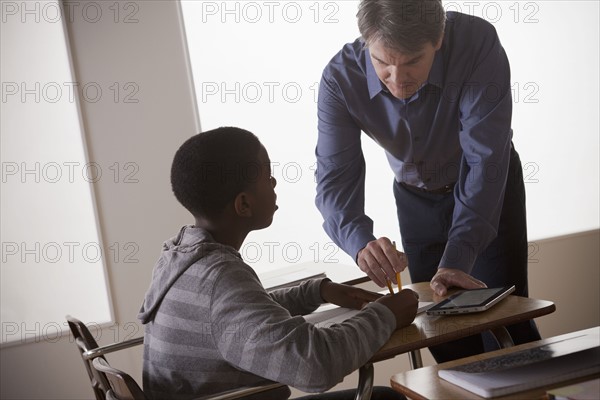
(401, 25)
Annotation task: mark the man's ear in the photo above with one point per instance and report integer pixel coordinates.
(438, 45)
(243, 205)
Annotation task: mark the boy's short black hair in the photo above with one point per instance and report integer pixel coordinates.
(213, 167)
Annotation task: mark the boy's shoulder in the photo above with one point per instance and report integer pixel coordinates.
(194, 252)
(198, 244)
(223, 265)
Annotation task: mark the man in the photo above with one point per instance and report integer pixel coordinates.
(433, 90)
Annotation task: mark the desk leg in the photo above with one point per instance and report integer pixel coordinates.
(365, 382)
(415, 359)
(503, 337)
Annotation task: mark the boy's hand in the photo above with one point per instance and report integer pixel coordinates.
(403, 304)
(346, 296)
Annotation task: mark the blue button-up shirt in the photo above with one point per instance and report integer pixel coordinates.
(455, 129)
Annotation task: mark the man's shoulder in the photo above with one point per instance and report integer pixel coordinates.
(346, 73)
(468, 26)
(468, 38)
(350, 59)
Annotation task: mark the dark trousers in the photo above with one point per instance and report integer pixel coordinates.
(379, 393)
(425, 220)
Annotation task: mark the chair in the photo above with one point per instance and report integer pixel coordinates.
(89, 349)
(124, 387)
(110, 383)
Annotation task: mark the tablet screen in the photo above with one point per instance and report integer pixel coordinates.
(471, 298)
(474, 300)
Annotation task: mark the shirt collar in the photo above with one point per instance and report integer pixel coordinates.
(436, 75)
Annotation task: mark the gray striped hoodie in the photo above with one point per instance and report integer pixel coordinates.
(210, 326)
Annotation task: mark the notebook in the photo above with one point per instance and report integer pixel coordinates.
(288, 277)
(329, 314)
(529, 369)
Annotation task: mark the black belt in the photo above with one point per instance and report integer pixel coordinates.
(446, 189)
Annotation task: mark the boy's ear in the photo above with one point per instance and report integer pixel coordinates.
(243, 205)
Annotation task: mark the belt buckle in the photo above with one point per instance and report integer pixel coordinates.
(447, 188)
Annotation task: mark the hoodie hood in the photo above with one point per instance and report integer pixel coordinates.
(178, 254)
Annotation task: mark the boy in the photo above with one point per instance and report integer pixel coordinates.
(211, 326)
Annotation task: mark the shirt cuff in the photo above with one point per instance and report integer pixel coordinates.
(458, 255)
(385, 314)
(314, 291)
(357, 242)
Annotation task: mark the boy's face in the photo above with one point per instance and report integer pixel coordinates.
(264, 193)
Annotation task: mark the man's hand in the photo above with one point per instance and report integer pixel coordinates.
(445, 278)
(346, 296)
(380, 260)
(403, 304)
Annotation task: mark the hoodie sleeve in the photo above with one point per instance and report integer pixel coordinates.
(255, 333)
(301, 299)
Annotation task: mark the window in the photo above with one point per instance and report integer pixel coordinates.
(52, 260)
(257, 65)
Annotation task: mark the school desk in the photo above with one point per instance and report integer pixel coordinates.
(429, 330)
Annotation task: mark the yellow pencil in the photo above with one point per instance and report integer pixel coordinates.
(398, 279)
(389, 285)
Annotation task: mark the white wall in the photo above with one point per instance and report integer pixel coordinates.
(46, 180)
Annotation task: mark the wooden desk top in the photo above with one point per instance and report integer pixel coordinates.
(424, 383)
(429, 330)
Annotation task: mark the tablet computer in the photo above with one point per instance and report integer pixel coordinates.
(470, 301)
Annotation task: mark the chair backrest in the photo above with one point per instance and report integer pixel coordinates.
(122, 385)
(112, 384)
(85, 341)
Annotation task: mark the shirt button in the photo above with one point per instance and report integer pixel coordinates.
(417, 138)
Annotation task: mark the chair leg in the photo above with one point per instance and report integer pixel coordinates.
(503, 337)
(365, 382)
(415, 359)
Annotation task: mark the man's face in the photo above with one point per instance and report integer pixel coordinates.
(403, 74)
